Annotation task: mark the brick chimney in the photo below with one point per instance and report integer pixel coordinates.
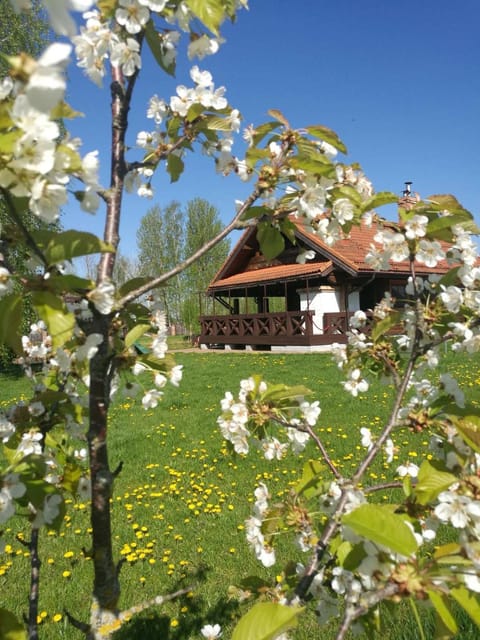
(408, 199)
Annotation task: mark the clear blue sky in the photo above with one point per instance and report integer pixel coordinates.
(398, 81)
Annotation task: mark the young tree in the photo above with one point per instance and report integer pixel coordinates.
(363, 552)
(203, 223)
(156, 255)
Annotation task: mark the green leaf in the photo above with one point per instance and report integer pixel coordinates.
(326, 134)
(310, 150)
(311, 483)
(262, 131)
(64, 111)
(469, 429)
(440, 228)
(194, 111)
(378, 524)
(270, 239)
(265, 621)
(218, 124)
(313, 166)
(137, 332)
(432, 479)
(155, 43)
(288, 229)
(11, 313)
(70, 477)
(69, 282)
(345, 191)
(59, 247)
(210, 12)
(8, 140)
(133, 284)
(10, 627)
(175, 166)
(281, 392)
(446, 202)
(381, 328)
(469, 601)
(379, 199)
(253, 155)
(256, 212)
(278, 115)
(441, 605)
(52, 310)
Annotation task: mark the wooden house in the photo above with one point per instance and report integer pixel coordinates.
(283, 305)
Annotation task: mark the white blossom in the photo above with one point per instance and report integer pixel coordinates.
(46, 86)
(457, 509)
(202, 46)
(132, 15)
(303, 256)
(408, 469)
(355, 384)
(90, 347)
(151, 399)
(310, 412)
(366, 438)
(176, 374)
(343, 210)
(430, 253)
(7, 508)
(103, 297)
(416, 227)
(211, 632)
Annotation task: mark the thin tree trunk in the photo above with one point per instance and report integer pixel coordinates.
(106, 589)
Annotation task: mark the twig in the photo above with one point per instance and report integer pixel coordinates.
(351, 614)
(306, 428)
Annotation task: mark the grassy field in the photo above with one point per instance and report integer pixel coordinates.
(181, 499)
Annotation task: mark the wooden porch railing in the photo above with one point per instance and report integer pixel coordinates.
(258, 328)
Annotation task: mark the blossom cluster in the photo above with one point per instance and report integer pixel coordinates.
(37, 166)
(245, 419)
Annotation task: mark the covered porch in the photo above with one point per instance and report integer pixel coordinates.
(277, 307)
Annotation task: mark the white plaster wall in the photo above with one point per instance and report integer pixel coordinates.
(326, 300)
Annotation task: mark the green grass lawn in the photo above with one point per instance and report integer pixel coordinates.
(181, 499)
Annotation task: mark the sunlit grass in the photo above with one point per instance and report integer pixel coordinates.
(181, 499)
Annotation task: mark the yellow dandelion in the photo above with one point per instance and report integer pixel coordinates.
(57, 617)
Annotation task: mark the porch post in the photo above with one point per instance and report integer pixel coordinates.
(308, 325)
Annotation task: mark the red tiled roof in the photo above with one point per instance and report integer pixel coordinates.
(276, 273)
(348, 255)
(352, 251)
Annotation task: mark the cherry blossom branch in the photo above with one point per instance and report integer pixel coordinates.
(156, 282)
(400, 395)
(330, 530)
(352, 614)
(306, 428)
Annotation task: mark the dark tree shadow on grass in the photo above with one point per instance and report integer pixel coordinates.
(155, 623)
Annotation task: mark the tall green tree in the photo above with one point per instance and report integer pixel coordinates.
(160, 240)
(203, 223)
